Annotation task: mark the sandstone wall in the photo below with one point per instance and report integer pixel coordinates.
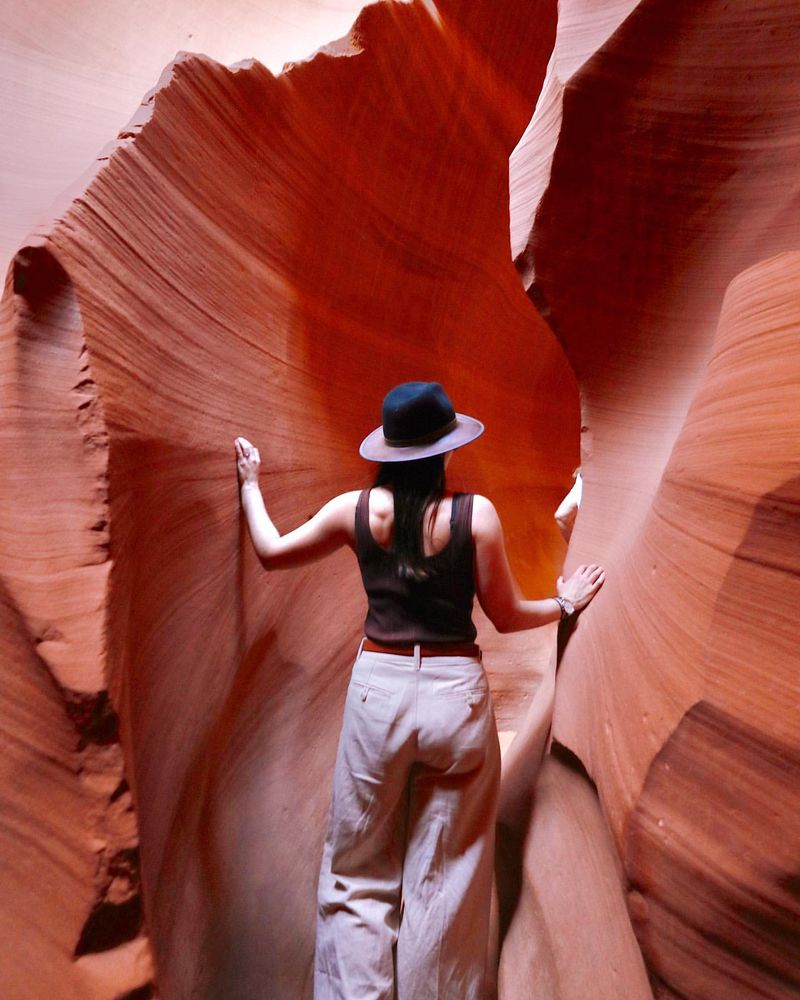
(266, 255)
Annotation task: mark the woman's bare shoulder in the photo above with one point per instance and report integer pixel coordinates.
(484, 514)
(482, 504)
(338, 514)
(344, 502)
(339, 507)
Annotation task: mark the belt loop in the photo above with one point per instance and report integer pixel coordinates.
(417, 656)
(361, 646)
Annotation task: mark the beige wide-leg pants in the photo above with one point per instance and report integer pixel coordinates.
(406, 877)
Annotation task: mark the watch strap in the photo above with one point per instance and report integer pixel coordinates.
(567, 607)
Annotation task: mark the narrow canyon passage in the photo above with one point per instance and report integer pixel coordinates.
(266, 256)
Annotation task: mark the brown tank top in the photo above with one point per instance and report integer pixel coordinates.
(438, 609)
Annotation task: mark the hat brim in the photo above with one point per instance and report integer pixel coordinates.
(375, 449)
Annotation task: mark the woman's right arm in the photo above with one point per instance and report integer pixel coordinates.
(329, 529)
(497, 590)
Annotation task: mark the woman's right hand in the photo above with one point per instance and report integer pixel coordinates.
(581, 587)
(248, 460)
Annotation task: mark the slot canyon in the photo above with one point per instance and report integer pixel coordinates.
(583, 219)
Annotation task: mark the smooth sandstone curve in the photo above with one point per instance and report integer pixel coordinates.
(304, 241)
(671, 188)
(266, 256)
(69, 83)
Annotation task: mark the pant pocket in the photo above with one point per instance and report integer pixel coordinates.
(476, 695)
(371, 700)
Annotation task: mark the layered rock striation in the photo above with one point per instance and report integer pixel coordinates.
(264, 256)
(267, 255)
(69, 83)
(657, 233)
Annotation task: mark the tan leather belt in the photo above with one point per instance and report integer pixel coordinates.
(426, 649)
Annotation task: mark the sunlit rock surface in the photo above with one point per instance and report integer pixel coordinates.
(652, 235)
(266, 256)
(69, 83)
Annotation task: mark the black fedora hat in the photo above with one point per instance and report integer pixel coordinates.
(418, 421)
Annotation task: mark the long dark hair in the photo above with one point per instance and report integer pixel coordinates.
(414, 485)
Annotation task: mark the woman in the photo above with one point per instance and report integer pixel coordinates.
(405, 883)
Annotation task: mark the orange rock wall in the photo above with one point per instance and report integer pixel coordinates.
(656, 250)
(69, 83)
(266, 256)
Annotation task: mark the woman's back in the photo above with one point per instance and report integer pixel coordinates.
(434, 606)
(381, 521)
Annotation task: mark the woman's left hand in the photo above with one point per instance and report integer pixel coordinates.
(581, 587)
(248, 460)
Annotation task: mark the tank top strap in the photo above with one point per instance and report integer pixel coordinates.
(462, 522)
(454, 505)
(362, 519)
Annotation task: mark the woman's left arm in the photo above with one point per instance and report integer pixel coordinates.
(326, 531)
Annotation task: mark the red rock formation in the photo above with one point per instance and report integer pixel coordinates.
(68, 83)
(675, 168)
(570, 935)
(71, 911)
(266, 256)
(712, 842)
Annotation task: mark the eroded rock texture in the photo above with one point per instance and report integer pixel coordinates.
(658, 254)
(72, 909)
(67, 84)
(266, 256)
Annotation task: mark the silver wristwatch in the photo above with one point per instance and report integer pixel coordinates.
(567, 607)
